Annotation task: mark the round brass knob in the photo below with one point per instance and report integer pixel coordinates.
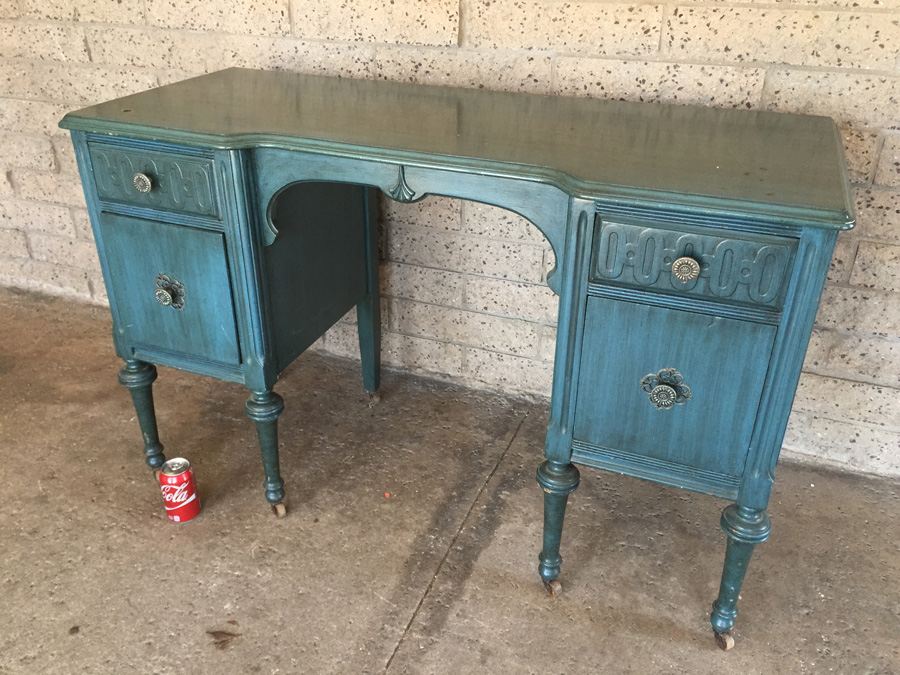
(142, 182)
(164, 297)
(685, 269)
(663, 396)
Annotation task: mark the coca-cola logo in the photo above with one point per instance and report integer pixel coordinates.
(176, 496)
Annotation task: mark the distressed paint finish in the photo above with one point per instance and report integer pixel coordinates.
(687, 382)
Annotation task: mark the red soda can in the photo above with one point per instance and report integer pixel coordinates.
(176, 480)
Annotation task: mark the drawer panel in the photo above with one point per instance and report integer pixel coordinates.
(171, 287)
(732, 268)
(626, 380)
(176, 182)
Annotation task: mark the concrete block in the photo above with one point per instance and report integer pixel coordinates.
(508, 373)
(424, 284)
(501, 297)
(721, 86)
(26, 151)
(877, 215)
(799, 37)
(393, 21)
(842, 260)
(64, 251)
(877, 266)
(497, 70)
(860, 310)
(888, 171)
(851, 445)
(31, 117)
(100, 11)
(849, 401)
(46, 277)
(13, 244)
(254, 17)
(36, 217)
(484, 220)
(9, 9)
(461, 253)
(41, 186)
(442, 213)
(65, 155)
(464, 328)
(74, 83)
(861, 358)
(860, 146)
(190, 53)
(82, 224)
(859, 98)
(547, 347)
(578, 27)
(99, 296)
(6, 186)
(421, 354)
(42, 42)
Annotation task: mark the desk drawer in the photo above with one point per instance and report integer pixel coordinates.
(669, 390)
(170, 287)
(158, 180)
(751, 269)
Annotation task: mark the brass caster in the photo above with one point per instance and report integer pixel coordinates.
(374, 398)
(279, 509)
(725, 640)
(553, 587)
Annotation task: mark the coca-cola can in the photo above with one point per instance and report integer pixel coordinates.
(179, 491)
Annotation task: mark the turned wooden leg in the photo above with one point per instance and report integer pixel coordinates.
(368, 311)
(138, 376)
(745, 527)
(557, 481)
(264, 408)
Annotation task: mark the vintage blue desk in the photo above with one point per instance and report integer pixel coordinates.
(235, 217)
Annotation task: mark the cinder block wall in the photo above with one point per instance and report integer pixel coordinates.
(464, 288)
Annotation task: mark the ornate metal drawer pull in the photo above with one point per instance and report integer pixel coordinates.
(666, 388)
(142, 182)
(169, 292)
(685, 269)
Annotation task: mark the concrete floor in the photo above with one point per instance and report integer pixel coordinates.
(411, 541)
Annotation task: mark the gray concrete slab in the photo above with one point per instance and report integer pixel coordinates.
(411, 541)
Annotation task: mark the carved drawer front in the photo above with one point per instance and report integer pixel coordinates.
(170, 288)
(669, 394)
(158, 180)
(724, 266)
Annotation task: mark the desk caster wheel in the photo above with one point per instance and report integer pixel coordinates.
(279, 509)
(553, 587)
(725, 640)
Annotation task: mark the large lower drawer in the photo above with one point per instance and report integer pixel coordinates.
(170, 287)
(160, 180)
(668, 394)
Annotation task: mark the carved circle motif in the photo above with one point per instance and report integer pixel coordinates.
(142, 182)
(685, 269)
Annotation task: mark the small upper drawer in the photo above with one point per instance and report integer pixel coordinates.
(157, 180)
(721, 266)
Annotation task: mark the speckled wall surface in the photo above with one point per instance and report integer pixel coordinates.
(464, 289)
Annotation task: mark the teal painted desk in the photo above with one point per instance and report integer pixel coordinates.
(235, 217)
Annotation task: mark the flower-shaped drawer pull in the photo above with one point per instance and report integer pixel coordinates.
(169, 292)
(666, 388)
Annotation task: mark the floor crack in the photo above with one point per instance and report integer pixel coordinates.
(459, 530)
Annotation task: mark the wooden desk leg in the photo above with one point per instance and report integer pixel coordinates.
(368, 312)
(557, 481)
(745, 527)
(138, 377)
(264, 408)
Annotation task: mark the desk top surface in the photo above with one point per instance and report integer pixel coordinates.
(756, 160)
